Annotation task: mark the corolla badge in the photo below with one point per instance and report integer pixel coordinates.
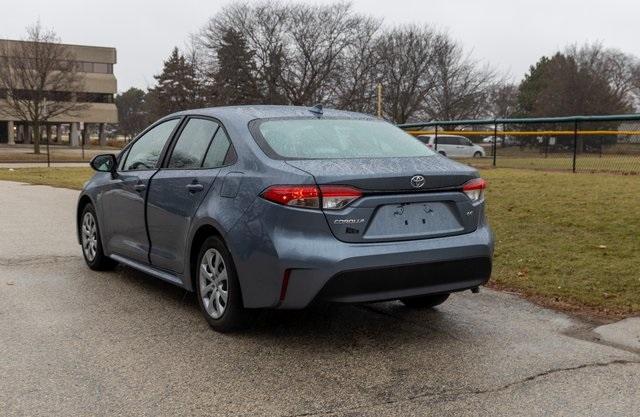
(348, 221)
(417, 181)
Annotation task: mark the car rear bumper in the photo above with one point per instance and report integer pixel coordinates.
(402, 269)
(289, 270)
(378, 284)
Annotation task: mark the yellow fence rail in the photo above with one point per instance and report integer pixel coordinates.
(525, 132)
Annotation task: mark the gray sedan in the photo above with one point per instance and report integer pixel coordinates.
(260, 207)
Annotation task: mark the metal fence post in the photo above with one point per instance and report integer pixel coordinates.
(575, 143)
(435, 140)
(495, 139)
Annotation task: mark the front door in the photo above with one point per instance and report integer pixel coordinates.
(180, 186)
(124, 198)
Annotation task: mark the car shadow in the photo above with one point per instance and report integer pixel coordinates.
(320, 320)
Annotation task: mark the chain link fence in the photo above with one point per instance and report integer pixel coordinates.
(577, 144)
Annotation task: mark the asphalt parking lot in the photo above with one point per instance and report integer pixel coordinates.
(75, 342)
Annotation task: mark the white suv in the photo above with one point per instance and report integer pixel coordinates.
(454, 146)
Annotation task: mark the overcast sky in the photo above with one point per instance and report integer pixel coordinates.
(508, 34)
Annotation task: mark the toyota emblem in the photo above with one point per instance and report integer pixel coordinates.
(417, 181)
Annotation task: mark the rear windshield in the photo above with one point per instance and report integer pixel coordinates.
(336, 138)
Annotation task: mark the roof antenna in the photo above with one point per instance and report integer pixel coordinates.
(317, 109)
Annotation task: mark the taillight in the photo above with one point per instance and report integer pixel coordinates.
(429, 145)
(474, 189)
(330, 197)
(307, 196)
(335, 197)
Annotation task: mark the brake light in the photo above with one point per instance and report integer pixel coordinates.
(429, 145)
(307, 196)
(329, 197)
(474, 189)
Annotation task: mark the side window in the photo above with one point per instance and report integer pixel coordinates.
(145, 152)
(445, 140)
(221, 146)
(191, 147)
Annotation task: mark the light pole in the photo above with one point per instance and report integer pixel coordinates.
(46, 114)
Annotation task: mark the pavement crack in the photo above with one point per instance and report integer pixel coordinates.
(453, 395)
(554, 371)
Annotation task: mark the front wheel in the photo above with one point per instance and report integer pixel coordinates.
(477, 155)
(425, 301)
(91, 244)
(218, 288)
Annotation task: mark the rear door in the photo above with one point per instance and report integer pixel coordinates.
(123, 200)
(179, 187)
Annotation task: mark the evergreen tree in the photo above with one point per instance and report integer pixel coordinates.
(178, 87)
(563, 86)
(132, 116)
(235, 77)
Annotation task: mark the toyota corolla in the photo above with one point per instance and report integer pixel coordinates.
(257, 207)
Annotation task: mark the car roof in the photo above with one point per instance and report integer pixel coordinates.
(244, 114)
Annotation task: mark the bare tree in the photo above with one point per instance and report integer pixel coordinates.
(318, 37)
(306, 53)
(406, 55)
(40, 78)
(502, 101)
(620, 70)
(461, 86)
(263, 26)
(355, 88)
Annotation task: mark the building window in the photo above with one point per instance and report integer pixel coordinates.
(95, 67)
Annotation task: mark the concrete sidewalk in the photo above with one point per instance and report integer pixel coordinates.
(75, 342)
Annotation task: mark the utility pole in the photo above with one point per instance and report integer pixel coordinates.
(380, 100)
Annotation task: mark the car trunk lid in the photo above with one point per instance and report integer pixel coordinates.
(394, 205)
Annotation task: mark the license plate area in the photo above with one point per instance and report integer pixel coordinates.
(414, 220)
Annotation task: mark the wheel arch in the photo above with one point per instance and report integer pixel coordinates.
(201, 234)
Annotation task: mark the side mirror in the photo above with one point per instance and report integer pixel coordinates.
(105, 162)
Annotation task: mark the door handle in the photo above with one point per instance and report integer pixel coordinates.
(140, 187)
(195, 187)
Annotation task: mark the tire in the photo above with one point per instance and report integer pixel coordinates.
(425, 301)
(215, 279)
(477, 155)
(91, 243)
(443, 153)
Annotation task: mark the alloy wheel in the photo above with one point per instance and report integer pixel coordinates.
(89, 236)
(214, 283)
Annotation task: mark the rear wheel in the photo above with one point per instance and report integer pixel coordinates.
(91, 244)
(425, 301)
(218, 289)
(443, 153)
(477, 154)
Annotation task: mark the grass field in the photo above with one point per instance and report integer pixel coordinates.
(58, 153)
(564, 162)
(566, 240)
(56, 177)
